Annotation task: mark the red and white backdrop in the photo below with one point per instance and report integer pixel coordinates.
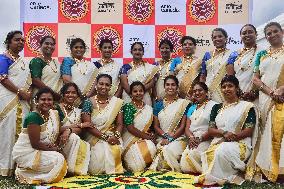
(128, 21)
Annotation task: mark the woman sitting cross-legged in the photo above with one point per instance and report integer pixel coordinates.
(37, 152)
(196, 129)
(139, 143)
(232, 124)
(169, 123)
(104, 113)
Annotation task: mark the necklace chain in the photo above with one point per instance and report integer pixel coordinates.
(242, 53)
(100, 102)
(77, 61)
(48, 62)
(16, 59)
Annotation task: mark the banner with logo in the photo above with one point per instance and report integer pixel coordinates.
(128, 21)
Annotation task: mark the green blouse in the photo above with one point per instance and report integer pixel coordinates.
(33, 118)
(249, 122)
(36, 66)
(60, 112)
(129, 112)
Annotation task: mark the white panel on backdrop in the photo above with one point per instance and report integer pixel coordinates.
(142, 33)
(40, 11)
(170, 12)
(234, 39)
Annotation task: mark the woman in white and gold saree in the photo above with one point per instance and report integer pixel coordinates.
(269, 79)
(139, 142)
(107, 65)
(78, 70)
(166, 48)
(15, 81)
(232, 124)
(104, 113)
(187, 67)
(169, 123)
(241, 62)
(76, 150)
(214, 64)
(138, 70)
(45, 70)
(37, 151)
(196, 129)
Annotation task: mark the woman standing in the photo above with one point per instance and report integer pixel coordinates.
(104, 114)
(196, 129)
(214, 64)
(78, 70)
(45, 70)
(138, 70)
(232, 124)
(166, 48)
(15, 81)
(76, 151)
(169, 123)
(187, 67)
(37, 151)
(107, 65)
(240, 63)
(269, 73)
(138, 141)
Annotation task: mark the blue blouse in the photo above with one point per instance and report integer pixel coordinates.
(190, 109)
(98, 65)
(233, 57)
(67, 63)
(206, 57)
(176, 61)
(5, 63)
(159, 106)
(124, 69)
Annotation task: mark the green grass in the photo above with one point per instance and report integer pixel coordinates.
(11, 183)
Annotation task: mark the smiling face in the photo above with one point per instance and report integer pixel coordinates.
(229, 90)
(188, 47)
(165, 51)
(171, 87)
(45, 102)
(219, 39)
(48, 47)
(17, 43)
(106, 50)
(78, 50)
(137, 52)
(137, 93)
(274, 36)
(103, 86)
(248, 36)
(199, 94)
(70, 95)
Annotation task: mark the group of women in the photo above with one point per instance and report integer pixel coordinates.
(220, 117)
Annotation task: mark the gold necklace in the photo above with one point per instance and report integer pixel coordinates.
(45, 119)
(166, 64)
(220, 51)
(77, 61)
(200, 105)
(138, 64)
(16, 59)
(48, 62)
(100, 102)
(271, 52)
(187, 63)
(168, 102)
(227, 106)
(138, 106)
(66, 113)
(242, 53)
(105, 62)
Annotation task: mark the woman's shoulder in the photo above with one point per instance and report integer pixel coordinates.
(33, 114)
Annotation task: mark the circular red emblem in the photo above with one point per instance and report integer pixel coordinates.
(74, 9)
(139, 10)
(202, 10)
(107, 33)
(35, 34)
(174, 35)
(131, 180)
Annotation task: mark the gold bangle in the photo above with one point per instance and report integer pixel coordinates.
(261, 87)
(117, 134)
(104, 137)
(18, 91)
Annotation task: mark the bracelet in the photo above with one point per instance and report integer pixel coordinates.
(117, 134)
(18, 91)
(171, 139)
(165, 135)
(225, 132)
(261, 87)
(104, 137)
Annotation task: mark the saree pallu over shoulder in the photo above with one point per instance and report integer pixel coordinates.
(51, 76)
(223, 160)
(188, 74)
(77, 151)
(12, 113)
(38, 166)
(163, 72)
(168, 156)
(108, 155)
(112, 69)
(139, 153)
(216, 70)
(144, 73)
(84, 75)
(269, 159)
